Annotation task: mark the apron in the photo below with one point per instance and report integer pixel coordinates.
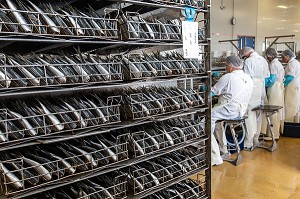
(253, 123)
(275, 95)
(291, 101)
(257, 97)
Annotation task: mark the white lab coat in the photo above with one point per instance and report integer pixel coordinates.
(234, 90)
(275, 96)
(292, 92)
(257, 67)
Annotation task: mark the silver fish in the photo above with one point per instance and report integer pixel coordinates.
(56, 124)
(4, 79)
(146, 27)
(138, 147)
(76, 114)
(18, 16)
(49, 22)
(103, 72)
(155, 179)
(96, 26)
(133, 69)
(11, 177)
(136, 182)
(169, 138)
(109, 195)
(86, 155)
(79, 70)
(113, 156)
(144, 108)
(59, 76)
(79, 31)
(99, 112)
(29, 130)
(65, 163)
(31, 78)
(155, 143)
(180, 132)
(130, 27)
(2, 137)
(39, 168)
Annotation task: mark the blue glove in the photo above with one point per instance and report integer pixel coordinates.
(288, 80)
(216, 74)
(270, 81)
(212, 94)
(203, 87)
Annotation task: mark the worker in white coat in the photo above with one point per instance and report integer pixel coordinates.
(275, 91)
(291, 84)
(234, 90)
(257, 67)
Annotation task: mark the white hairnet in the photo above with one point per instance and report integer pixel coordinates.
(245, 51)
(234, 61)
(289, 53)
(271, 52)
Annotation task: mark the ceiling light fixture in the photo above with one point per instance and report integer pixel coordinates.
(282, 7)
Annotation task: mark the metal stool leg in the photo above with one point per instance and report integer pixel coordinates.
(238, 160)
(273, 147)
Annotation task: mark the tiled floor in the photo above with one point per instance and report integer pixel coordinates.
(262, 175)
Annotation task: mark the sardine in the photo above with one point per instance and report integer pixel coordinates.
(76, 115)
(100, 115)
(180, 132)
(47, 19)
(68, 167)
(103, 72)
(18, 16)
(59, 76)
(87, 156)
(133, 69)
(101, 146)
(11, 177)
(4, 79)
(28, 129)
(146, 27)
(2, 137)
(154, 142)
(154, 178)
(129, 27)
(79, 69)
(55, 122)
(78, 30)
(29, 77)
(169, 138)
(39, 168)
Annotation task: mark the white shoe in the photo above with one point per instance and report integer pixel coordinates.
(226, 156)
(217, 163)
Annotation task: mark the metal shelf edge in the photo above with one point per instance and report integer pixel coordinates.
(89, 174)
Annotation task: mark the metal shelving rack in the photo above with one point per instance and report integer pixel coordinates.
(48, 43)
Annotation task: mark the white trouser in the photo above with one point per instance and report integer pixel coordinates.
(221, 137)
(253, 126)
(219, 114)
(254, 120)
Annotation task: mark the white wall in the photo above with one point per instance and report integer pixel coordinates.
(259, 18)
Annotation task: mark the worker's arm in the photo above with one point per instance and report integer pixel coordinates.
(212, 94)
(269, 81)
(288, 80)
(219, 87)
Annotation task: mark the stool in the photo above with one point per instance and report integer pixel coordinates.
(269, 110)
(232, 124)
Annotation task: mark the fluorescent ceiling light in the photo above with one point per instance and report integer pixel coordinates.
(283, 20)
(296, 30)
(266, 18)
(282, 7)
(280, 28)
